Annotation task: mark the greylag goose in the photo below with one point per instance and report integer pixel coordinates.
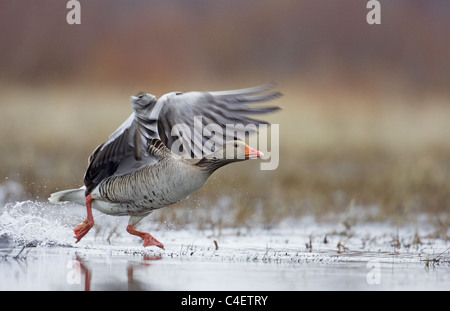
(143, 166)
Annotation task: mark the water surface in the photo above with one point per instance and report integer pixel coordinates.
(37, 252)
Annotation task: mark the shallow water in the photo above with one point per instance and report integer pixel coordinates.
(37, 252)
(66, 269)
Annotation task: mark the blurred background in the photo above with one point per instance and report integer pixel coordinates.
(365, 125)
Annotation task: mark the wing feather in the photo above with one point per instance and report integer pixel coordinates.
(126, 148)
(231, 110)
(152, 121)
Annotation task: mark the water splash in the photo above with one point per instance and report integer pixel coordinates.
(11, 191)
(36, 223)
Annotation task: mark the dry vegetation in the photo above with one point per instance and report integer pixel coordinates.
(338, 150)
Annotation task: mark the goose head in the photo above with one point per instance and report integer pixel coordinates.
(232, 151)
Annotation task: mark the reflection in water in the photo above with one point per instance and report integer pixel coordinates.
(132, 266)
(38, 268)
(85, 272)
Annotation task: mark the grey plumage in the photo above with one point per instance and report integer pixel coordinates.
(154, 119)
(136, 170)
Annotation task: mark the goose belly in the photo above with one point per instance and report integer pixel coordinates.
(140, 192)
(116, 209)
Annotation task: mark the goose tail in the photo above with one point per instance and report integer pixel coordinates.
(72, 195)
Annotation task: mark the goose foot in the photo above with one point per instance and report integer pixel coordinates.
(148, 239)
(82, 229)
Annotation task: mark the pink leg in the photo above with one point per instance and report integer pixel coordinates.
(148, 239)
(82, 229)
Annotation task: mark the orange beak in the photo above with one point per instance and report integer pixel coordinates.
(251, 153)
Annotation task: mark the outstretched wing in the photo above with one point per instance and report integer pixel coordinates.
(184, 118)
(173, 119)
(126, 148)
